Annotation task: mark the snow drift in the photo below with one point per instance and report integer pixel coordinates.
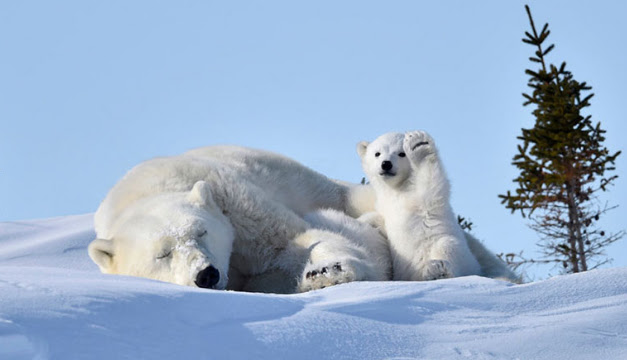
(55, 304)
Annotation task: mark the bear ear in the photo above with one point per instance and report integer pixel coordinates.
(361, 148)
(201, 195)
(101, 252)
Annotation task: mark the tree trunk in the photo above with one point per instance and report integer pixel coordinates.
(575, 238)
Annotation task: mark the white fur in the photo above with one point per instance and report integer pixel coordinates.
(235, 209)
(412, 199)
(343, 249)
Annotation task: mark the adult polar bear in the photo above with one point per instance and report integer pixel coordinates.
(413, 207)
(227, 217)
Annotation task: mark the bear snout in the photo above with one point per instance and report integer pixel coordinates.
(386, 165)
(208, 277)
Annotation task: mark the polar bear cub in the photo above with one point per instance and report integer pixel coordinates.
(412, 196)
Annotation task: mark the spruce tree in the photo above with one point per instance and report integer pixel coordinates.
(562, 163)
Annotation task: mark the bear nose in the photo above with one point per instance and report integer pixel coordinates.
(386, 165)
(207, 277)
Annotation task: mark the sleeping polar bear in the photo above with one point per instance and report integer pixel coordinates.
(226, 217)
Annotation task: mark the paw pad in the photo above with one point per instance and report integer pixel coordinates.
(415, 142)
(327, 275)
(419, 144)
(323, 272)
(437, 269)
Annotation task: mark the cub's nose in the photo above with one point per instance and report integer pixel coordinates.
(207, 277)
(386, 165)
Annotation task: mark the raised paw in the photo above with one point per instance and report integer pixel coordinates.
(437, 269)
(319, 277)
(417, 145)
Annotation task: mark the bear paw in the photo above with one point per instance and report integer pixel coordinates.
(437, 269)
(417, 145)
(319, 277)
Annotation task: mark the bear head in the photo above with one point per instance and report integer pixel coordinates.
(384, 161)
(181, 237)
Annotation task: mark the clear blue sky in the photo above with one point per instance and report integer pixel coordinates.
(88, 89)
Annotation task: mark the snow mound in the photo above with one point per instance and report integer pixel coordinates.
(55, 304)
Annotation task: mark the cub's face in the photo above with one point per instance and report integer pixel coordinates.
(182, 238)
(384, 161)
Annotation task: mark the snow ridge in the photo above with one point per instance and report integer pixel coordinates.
(55, 304)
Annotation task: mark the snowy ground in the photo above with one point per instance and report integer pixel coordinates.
(54, 304)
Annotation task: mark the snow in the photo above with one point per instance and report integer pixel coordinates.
(55, 304)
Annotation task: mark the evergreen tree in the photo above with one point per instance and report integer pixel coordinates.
(562, 165)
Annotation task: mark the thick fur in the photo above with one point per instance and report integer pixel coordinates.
(413, 208)
(234, 218)
(365, 252)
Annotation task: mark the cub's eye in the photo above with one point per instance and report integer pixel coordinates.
(203, 233)
(164, 255)
(377, 154)
(401, 154)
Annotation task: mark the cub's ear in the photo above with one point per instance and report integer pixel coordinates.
(361, 148)
(201, 195)
(101, 252)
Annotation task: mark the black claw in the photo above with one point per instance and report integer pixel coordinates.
(314, 273)
(337, 267)
(324, 270)
(308, 275)
(420, 144)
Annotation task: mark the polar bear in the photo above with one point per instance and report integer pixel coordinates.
(227, 217)
(413, 209)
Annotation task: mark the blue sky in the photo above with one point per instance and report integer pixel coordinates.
(89, 89)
